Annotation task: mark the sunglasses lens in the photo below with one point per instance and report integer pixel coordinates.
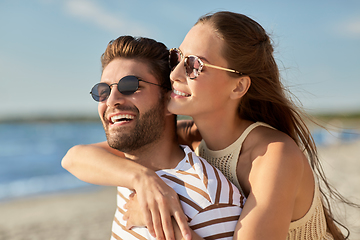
(174, 58)
(192, 66)
(128, 85)
(100, 92)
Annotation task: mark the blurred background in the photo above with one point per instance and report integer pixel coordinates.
(50, 58)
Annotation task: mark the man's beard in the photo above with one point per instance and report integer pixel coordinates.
(148, 129)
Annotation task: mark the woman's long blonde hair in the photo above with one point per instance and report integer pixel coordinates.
(249, 50)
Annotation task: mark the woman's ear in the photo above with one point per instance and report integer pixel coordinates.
(242, 86)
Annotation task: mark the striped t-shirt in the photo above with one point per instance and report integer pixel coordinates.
(210, 201)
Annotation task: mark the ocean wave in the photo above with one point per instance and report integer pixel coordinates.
(40, 185)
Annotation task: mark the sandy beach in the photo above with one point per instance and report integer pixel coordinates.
(341, 164)
(88, 214)
(71, 216)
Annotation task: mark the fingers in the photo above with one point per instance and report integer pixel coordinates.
(169, 205)
(158, 221)
(158, 227)
(149, 222)
(167, 226)
(158, 203)
(129, 225)
(181, 220)
(180, 217)
(151, 216)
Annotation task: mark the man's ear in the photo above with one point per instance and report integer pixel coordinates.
(242, 86)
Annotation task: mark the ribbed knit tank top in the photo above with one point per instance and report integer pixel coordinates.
(226, 159)
(310, 227)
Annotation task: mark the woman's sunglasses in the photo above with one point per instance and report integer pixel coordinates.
(193, 64)
(126, 85)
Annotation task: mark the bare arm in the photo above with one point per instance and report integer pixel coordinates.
(274, 180)
(99, 164)
(83, 161)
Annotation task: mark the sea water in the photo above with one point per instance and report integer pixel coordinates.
(31, 153)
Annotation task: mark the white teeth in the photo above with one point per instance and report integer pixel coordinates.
(125, 117)
(181, 93)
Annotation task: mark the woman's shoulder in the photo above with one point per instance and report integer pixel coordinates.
(269, 146)
(265, 137)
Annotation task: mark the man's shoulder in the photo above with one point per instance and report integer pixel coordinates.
(204, 168)
(205, 194)
(195, 175)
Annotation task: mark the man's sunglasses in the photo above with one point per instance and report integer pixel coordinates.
(193, 64)
(126, 86)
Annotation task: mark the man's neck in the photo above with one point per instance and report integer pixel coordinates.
(162, 154)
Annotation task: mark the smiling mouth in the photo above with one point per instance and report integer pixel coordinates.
(181, 93)
(122, 118)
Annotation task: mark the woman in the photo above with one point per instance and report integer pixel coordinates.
(229, 83)
(265, 145)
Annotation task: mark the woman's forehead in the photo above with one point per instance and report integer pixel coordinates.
(203, 42)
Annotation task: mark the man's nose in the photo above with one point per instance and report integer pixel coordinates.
(115, 97)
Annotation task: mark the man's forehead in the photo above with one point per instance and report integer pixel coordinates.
(121, 67)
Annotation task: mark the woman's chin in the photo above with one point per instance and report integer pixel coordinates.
(176, 108)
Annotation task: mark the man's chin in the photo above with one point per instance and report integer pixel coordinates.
(116, 145)
(121, 142)
(114, 140)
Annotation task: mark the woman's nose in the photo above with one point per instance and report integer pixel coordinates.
(178, 73)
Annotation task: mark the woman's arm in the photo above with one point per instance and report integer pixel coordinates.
(99, 164)
(275, 177)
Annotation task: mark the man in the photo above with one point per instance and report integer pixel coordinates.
(132, 96)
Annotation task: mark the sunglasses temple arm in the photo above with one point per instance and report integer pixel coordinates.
(155, 84)
(221, 68)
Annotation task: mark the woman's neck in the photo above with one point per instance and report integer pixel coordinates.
(220, 131)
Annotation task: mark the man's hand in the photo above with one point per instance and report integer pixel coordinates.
(133, 215)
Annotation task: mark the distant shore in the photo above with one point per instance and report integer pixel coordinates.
(50, 118)
(322, 117)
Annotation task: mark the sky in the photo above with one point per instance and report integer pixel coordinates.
(50, 49)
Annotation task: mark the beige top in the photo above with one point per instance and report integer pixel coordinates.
(310, 227)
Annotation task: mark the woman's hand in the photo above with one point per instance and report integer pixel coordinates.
(157, 203)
